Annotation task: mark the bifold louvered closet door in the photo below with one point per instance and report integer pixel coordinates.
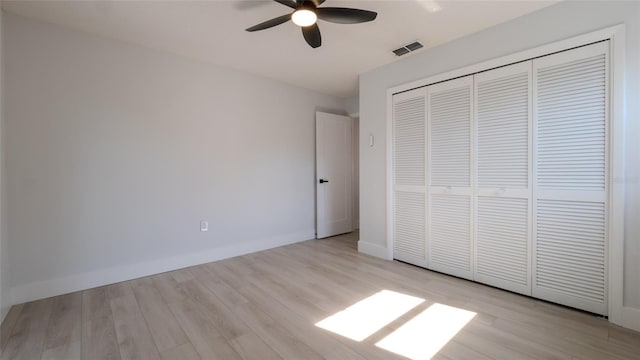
(503, 231)
(409, 162)
(502, 177)
(571, 172)
(449, 114)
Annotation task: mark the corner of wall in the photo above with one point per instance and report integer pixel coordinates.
(630, 318)
(352, 105)
(373, 249)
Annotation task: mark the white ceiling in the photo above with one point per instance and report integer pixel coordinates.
(213, 31)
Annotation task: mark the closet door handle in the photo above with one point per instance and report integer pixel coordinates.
(322, 181)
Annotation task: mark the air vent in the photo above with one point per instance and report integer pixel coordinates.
(414, 46)
(408, 48)
(401, 51)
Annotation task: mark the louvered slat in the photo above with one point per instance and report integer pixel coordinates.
(570, 105)
(502, 231)
(409, 145)
(502, 242)
(572, 157)
(450, 112)
(409, 244)
(563, 246)
(450, 236)
(409, 141)
(503, 131)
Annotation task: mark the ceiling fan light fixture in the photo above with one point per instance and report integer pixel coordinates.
(304, 17)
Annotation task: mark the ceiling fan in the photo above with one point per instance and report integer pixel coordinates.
(306, 13)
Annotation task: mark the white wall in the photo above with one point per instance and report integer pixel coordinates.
(356, 172)
(4, 301)
(561, 21)
(116, 152)
(352, 105)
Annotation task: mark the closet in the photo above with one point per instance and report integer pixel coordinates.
(501, 177)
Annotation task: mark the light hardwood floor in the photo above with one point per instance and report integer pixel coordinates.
(265, 306)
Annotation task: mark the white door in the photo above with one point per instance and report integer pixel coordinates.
(334, 200)
(503, 192)
(450, 203)
(570, 96)
(409, 174)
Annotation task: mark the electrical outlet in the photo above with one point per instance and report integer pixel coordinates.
(204, 225)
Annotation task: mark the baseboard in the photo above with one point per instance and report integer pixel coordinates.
(630, 318)
(65, 285)
(372, 249)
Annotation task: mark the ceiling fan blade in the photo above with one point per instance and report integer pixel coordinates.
(270, 23)
(248, 4)
(290, 3)
(345, 15)
(315, 2)
(312, 35)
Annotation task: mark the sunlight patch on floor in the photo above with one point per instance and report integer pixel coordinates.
(427, 333)
(366, 317)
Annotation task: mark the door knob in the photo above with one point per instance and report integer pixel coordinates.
(322, 181)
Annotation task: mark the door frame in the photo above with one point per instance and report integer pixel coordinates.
(618, 313)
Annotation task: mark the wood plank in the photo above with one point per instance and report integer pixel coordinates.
(167, 287)
(232, 328)
(182, 275)
(95, 303)
(118, 290)
(71, 351)
(280, 337)
(182, 352)
(250, 346)
(204, 336)
(29, 332)
(294, 313)
(134, 338)
(64, 333)
(265, 306)
(99, 339)
(165, 330)
(7, 325)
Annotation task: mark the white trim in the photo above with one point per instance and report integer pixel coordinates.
(630, 318)
(355, 149)
(390, 204)
(373, 250)
(64, 285)
(618, 314)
